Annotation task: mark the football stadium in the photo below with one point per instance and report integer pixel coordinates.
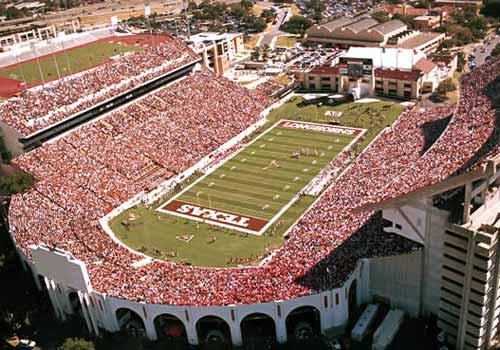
(175, 204)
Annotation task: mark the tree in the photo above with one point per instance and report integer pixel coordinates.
(381, 16)
(5, 154)
(446, 86)
(16, 183)
(461, 61)
(246, 5)
(77, 344)
(409, 21)
(491, 8)
(423, 4)
(254, 23)
(297, 25)
(268, 15)
(316, 7)
(496, 51)
(192, 6)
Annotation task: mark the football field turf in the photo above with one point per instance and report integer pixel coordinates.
(71, 61)
(173, 238)
(251, 190)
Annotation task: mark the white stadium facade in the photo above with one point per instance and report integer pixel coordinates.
(439, 204)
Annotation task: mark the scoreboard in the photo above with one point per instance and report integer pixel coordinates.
(356, 68)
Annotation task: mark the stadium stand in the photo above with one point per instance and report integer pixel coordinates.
(82, 177)
(43, 106)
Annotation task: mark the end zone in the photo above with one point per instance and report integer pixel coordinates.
(226, 219)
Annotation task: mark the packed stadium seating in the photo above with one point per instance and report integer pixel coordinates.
(43, 106)
(87, 172)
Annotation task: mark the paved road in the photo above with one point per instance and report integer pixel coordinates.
(275, 28)
(483, 49)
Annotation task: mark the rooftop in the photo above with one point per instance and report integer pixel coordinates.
(387, 58)
(388, 27)
(418, 41)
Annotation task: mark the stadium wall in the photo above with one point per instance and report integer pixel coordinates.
(420, 221)
(397, 278)
(100, 311)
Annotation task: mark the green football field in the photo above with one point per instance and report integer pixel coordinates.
(68, 62)
(264, 177)
(155, 233)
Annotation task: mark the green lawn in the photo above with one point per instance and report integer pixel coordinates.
(79, 59)
(155, 233)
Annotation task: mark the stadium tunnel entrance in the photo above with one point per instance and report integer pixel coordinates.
(213, 333)
(129, 321)
(303, 323)
(258, 331)
(76, 305)
(353, 300)
(171, 329)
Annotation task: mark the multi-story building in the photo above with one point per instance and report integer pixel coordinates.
(403, 74)
(458, 222)
(217, 50)
(368, 32)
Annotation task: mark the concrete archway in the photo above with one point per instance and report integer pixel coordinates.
(170, 328)
(258, 331)
(74, 301)
(130, 321)
(352, 300)
(213, 331)
(303, 323)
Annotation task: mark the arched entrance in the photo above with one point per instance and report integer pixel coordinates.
(76, 305)
(170, 328)
(303, 323)
(258, 331)
(129, 321)
(213, 330)
(352, 300)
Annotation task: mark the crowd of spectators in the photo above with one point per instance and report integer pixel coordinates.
(184, 122)
(43, 106)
